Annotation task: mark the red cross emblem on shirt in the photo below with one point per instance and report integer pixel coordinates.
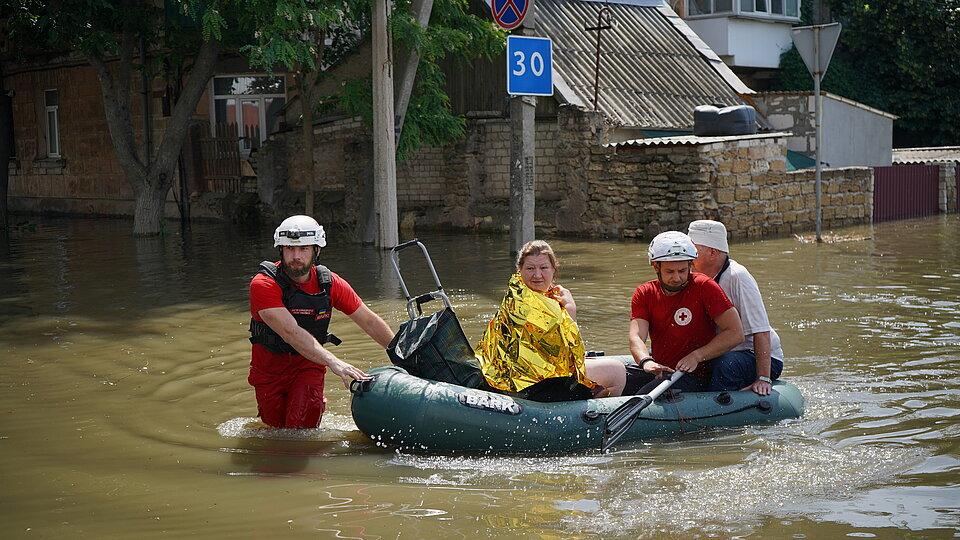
(682, 316)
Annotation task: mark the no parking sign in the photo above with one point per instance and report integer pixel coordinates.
(509, 13)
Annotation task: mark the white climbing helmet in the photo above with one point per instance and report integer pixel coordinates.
(671, 246)
(299, 231)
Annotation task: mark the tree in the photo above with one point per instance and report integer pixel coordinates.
(898, 56)
(452, 32)
(121, 38)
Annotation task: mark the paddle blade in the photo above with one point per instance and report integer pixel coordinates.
(621, 419)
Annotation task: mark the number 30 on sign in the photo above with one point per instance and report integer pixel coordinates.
(529, 66)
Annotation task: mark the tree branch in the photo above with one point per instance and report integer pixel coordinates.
(116, 107)
(408, 63)
(175, 132)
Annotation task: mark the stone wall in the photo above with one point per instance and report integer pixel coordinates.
(640, 188)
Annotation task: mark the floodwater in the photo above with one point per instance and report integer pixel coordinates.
(125, 412)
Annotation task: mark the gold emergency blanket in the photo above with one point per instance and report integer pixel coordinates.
(530, 339)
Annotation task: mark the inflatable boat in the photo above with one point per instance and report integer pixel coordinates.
(399, 410)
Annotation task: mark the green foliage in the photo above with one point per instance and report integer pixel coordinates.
(298, 35)
(898, 56)
(452, 32)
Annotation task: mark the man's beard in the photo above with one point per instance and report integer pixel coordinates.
(296, 272)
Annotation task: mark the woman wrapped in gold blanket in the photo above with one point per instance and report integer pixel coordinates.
(532, 347)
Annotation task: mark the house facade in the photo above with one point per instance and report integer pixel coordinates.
(63, 159)
(749, 35)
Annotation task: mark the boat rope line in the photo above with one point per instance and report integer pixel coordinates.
(683, 419)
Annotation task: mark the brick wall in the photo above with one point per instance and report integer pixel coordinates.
(424, 177)
(465, 184)
(87, 178)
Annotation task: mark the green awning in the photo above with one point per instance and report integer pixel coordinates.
(797, 161)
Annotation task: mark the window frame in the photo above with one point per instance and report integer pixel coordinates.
(713, 10)
(261, 104)
(52, 135)
(738, 11)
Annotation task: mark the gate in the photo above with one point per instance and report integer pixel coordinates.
(221, 157)
(905, 191)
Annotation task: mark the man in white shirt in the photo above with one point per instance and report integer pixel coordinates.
(757, 361)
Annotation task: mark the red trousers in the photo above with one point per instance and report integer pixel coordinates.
(293, 399)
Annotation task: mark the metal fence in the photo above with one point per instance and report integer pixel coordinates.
(905, 191)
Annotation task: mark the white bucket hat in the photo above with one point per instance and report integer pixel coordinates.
(710, 233)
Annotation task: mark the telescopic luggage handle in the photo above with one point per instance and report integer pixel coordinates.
(414, 304)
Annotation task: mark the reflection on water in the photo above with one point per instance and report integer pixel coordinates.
(125, 408)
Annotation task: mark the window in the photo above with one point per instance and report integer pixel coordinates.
(247, 107)
(776, 8)
(51, 100)
(793, 8)
(706, 7)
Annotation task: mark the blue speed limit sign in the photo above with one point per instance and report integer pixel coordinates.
(529, 66)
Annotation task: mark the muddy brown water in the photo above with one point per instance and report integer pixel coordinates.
(125, 412)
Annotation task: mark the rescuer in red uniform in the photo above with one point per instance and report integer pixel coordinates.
(291, 304)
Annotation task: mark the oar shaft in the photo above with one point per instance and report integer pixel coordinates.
(662, 387)
(622, 418)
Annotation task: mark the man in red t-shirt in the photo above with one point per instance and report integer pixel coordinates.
(686, 315)
(291, 302)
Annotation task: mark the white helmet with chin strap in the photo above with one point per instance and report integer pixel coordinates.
(299, 231)
(671, 246)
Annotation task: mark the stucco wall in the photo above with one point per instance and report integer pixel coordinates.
(852, 136)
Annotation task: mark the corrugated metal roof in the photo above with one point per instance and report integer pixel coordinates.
(651, 74)
(926, 155)
(693, 140)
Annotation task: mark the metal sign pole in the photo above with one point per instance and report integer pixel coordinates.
(815, 45)
(818, 119)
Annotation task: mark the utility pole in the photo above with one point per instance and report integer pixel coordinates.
(523, 158)
(818, 121)
(522, 167)
(384, 143)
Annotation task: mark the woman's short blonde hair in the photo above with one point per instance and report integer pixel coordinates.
(534, 248)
